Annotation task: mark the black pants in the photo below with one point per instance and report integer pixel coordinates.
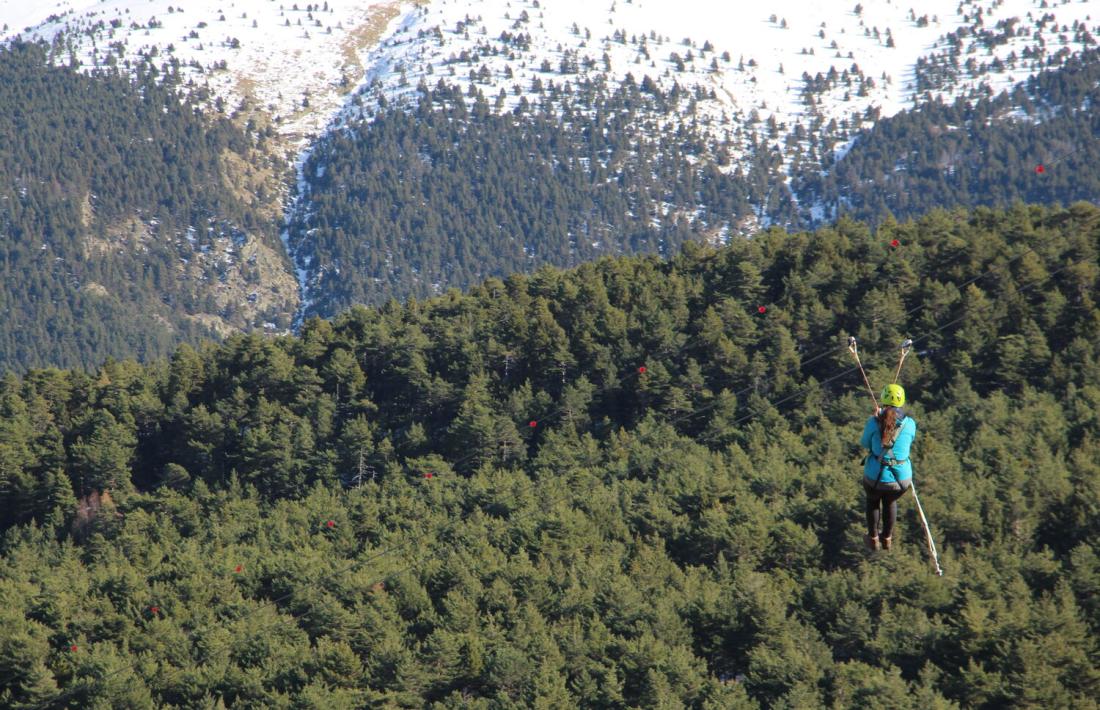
(883, 499)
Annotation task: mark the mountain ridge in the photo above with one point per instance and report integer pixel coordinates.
(700, 159)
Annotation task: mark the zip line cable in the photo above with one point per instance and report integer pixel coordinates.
(387, 552)
(802, 388)
(803, 362)
(838, 376)
(798, 390)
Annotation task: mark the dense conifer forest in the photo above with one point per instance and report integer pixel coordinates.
(113, 188)
(631, 484)
(1038, 144)
(452, 190)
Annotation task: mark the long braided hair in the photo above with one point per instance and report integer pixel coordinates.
(888, 424)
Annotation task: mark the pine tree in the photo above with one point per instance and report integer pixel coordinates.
(102, 454)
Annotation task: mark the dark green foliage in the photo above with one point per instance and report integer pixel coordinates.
(100, 179)
(446, 194)
(1039, 143)
(449, 191)
(686, 536)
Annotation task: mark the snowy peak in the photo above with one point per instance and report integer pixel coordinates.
(768, 91)
(785, 63)
(295, 61)
(849, 58)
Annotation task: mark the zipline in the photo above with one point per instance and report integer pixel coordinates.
(387, 552)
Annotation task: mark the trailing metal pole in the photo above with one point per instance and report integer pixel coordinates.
(906, 346)
(927, 532)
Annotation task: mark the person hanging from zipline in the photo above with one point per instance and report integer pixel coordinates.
(887, 471)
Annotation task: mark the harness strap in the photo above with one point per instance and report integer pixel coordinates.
(883, 462)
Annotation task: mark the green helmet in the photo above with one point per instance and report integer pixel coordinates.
(892, 396)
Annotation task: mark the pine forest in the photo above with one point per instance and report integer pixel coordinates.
(633, 483)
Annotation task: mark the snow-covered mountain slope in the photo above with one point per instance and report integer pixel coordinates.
(288, 64)
(293, 60)
(298, 60)
(796, 78)
(791, 60)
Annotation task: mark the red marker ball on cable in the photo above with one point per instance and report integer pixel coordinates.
(533, 424)
(1040, 169)
(642, 369)
(762, 309)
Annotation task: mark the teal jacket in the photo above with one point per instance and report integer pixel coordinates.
(872, 441)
